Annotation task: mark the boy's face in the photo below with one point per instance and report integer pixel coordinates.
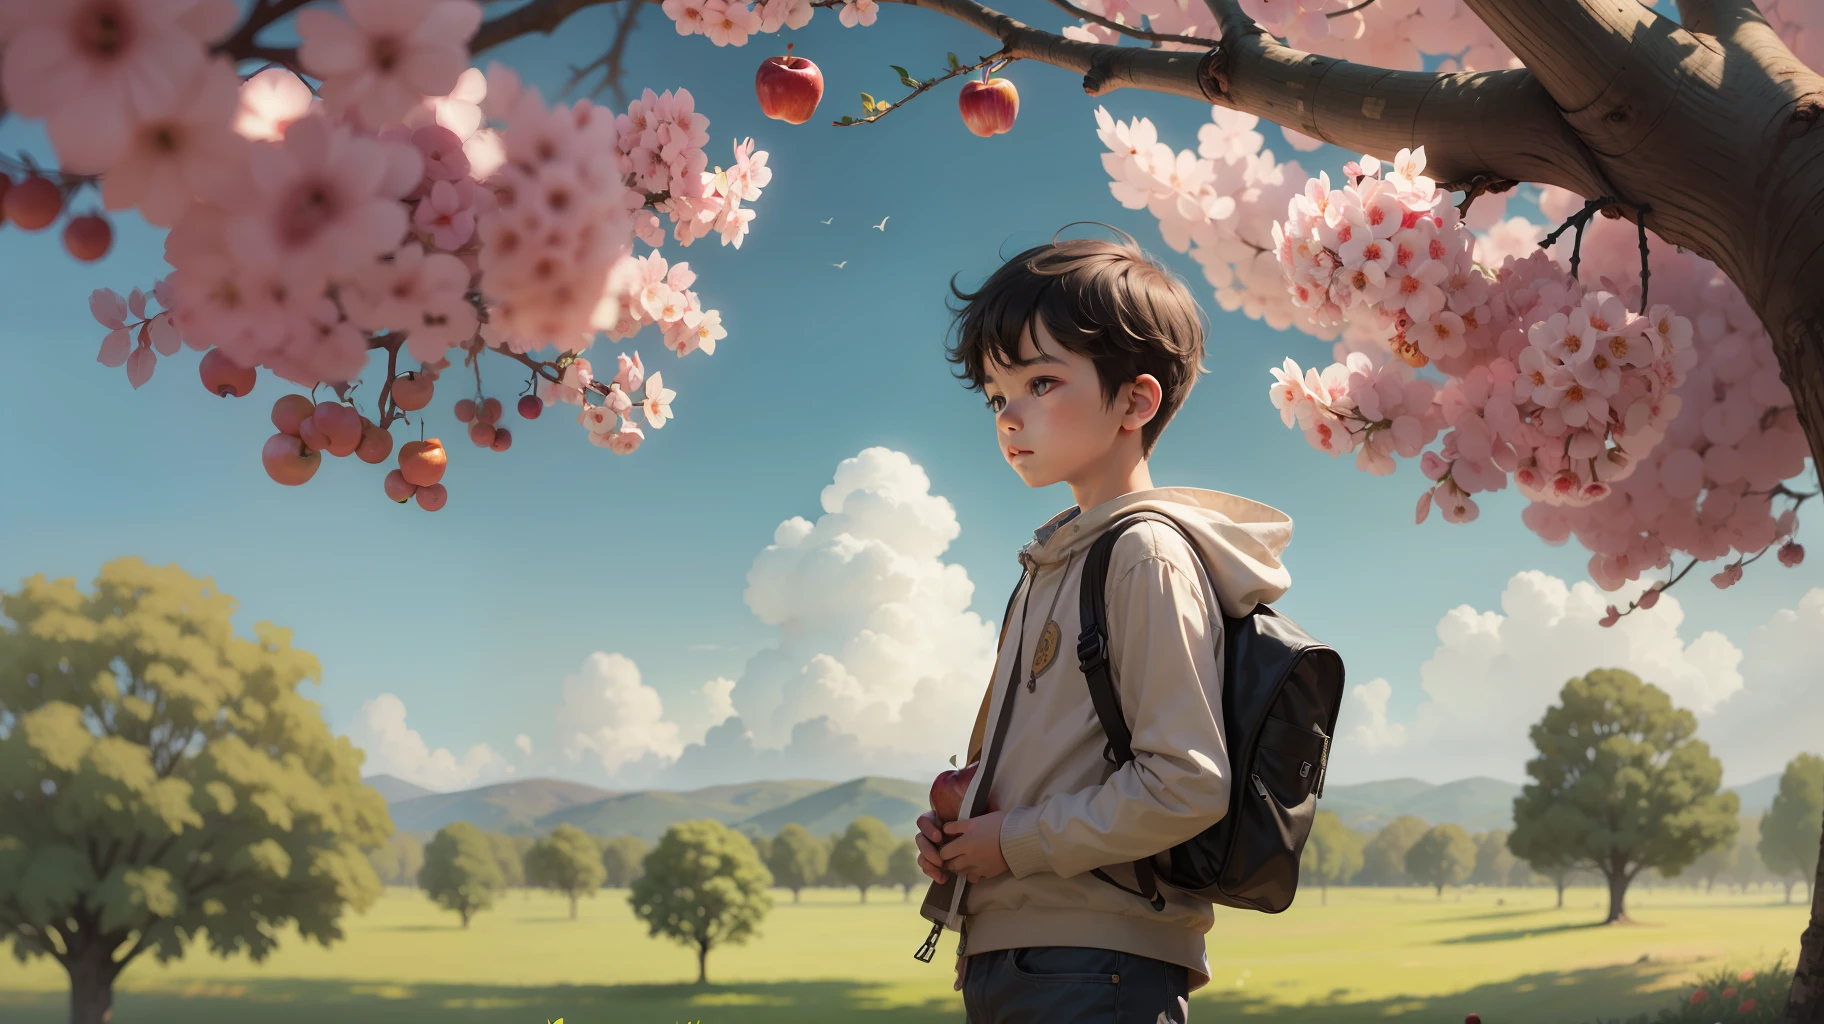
(1049, 417)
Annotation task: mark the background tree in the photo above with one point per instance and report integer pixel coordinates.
(1749, 869)
(566, 861)
(704, 887)
(903, 869)
(398, 861)
(798, 859)
(1494, 861)
(1620, 785)
(162, 781)
(1789, 832)
(510, 854)
(1332, 855)
(1444, 855)
(461, 871)
(860, 856)
(1522, 874)
(1717, 862)
(1384, 856)
(621, 860)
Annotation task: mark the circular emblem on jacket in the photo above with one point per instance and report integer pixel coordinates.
(1047, 651)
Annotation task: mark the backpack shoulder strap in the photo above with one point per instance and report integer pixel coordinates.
(1093, 658)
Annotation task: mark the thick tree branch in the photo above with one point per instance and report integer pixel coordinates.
(538, 16)
(1129, 30)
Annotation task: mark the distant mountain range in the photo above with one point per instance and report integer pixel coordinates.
(535, 806)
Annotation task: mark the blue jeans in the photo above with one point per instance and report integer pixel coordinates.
(1073, 985)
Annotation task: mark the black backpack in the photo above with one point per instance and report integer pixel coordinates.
(1281, 692)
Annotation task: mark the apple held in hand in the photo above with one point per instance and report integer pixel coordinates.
(947, 791)
(788, 87)
(989, 106)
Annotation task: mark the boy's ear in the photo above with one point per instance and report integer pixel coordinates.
(1144, 396)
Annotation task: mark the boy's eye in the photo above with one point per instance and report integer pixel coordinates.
(990, 403)
(1045, 382)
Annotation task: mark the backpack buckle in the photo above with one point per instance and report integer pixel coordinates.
(1091, 654)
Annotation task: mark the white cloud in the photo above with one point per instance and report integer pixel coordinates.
(1493, 674)
(613, 718)
(524, 743)
(716, 700)
(393, 748)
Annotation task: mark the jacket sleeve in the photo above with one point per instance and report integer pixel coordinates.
(1168, 676)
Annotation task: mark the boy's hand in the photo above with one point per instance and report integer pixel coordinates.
(930, 837)
(974, 848)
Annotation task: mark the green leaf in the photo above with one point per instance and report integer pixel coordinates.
(904, 76)
(867, 103)
(954, 63)
(846, 119)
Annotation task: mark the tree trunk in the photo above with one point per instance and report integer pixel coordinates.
(92, 974)
(1440, 890)
(1807, 995)
(702, 963)
(573, 906)
(1618, 898)
(465, 912)
(1789, 883)
(794, 895)
(864, 893)
(1323, 899)
(1560, 883)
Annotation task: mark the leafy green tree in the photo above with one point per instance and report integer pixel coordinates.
(510, 854)
(621, 857)
(1790, 830)
(798, 859)
(460, 870)
(1717, 862)
(860, 856)
(1444, 855)
(903, 869)
(704, 887)
(1748, 869)
(566, 861)
(1619, 785)
(1522, 874)
(163, 782)
(1494, 861)
(397, 862)
(1332, 854)
(1384, 856)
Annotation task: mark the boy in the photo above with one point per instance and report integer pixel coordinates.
(1084, 349)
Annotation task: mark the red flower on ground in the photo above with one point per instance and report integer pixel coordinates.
(1699, 996)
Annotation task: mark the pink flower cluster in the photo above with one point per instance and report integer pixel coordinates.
(661, 140)
(730, 22)
(610, 424)
(1562, 389)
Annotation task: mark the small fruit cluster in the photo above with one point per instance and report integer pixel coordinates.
(35, 203)
(483, 419)
(789, 89)
(421, 466)
(306, 430)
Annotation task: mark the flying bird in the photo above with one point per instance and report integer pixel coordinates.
(882, 226)
(827, 221)
(839, 266)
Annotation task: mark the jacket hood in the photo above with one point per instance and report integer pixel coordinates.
(1240, 540)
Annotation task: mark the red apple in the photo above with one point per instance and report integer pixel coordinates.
(287, 462)
(481, 433)
(432, 498)
(341, 424)
(947, 791)
(531, 406)
(422, 462)
(412, 391)
(88, 237)
(503, 439)
(490, 411)
(989, 107)
(397, 488)
(788, 87)
(223, 376)
(465, 410)
(33, 203)
(289, 412)
(376, 444)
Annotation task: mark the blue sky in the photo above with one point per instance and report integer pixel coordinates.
(474, 615)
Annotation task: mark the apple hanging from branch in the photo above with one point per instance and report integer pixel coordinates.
(789, 88)
(989, 106)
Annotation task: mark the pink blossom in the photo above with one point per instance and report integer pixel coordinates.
(1648, 598)
(269, 102)
(729, 22)
(630, 372)
(178, 153)
(858, 12)
(749, 174)
(1611, 616)
(388, 54)
(624, 441)
(597, 418)
(1791, 554)
(571, 387)
(326, 200)
(657, 402)
(778, 14)
(447, 214)
(92, 68)
(689, 16)
(444, 159)
(1728, 577)
(422, 294)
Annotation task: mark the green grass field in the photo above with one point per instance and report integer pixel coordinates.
(1506, 954)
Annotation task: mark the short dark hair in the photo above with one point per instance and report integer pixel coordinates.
(1105, 300)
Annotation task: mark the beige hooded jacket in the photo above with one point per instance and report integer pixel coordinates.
(1068, 809)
